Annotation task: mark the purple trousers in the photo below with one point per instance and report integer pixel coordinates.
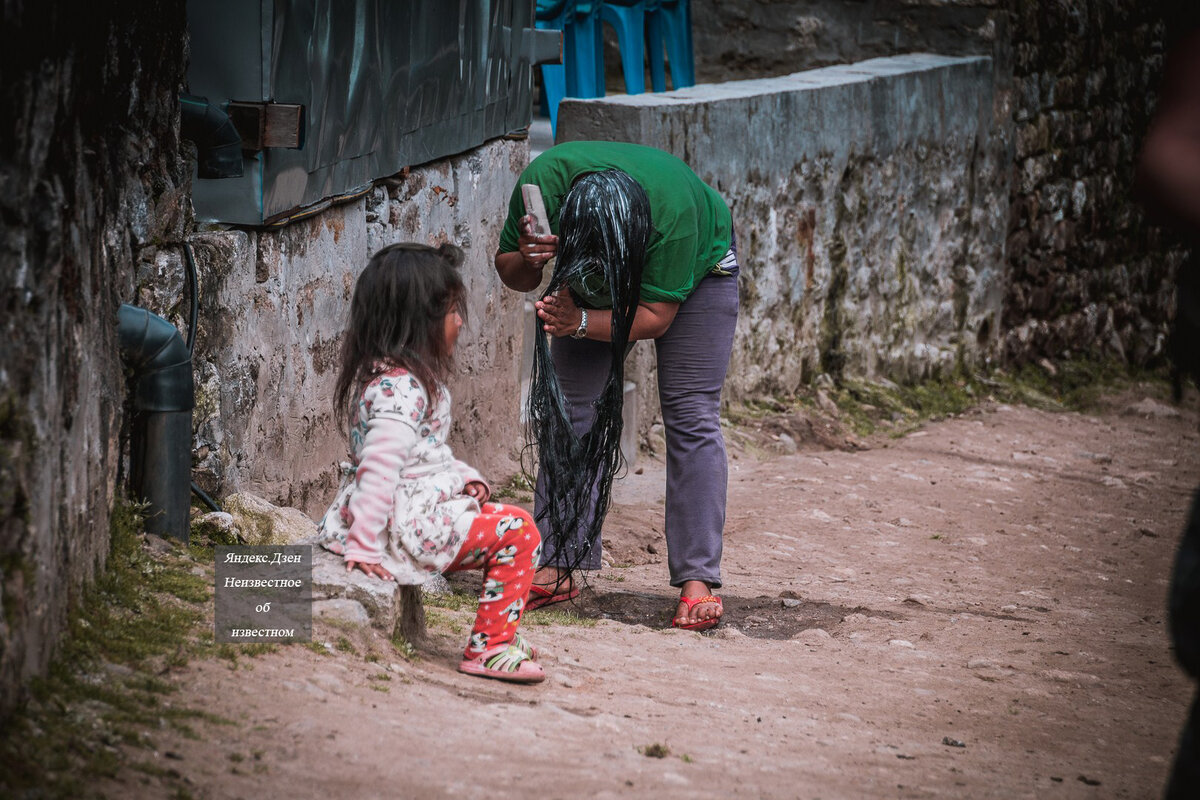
(693, 356)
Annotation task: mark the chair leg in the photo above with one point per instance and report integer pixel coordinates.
(554, 82)
(655, 53)
(629, 24)
(585, 61)
(678, 20)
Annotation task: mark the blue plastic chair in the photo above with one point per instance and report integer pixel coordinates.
(575, 77)
(550, 16)
(670, 21)
(628, 18)
(583, 51)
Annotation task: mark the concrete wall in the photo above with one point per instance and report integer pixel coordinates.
(274, 305)
(91, 181)
(870, 202)
(1077, 79)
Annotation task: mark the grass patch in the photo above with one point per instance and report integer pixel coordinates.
(655, 750)
(404, 648)
(554, 616)
(104, 692)
(1076, 385)
(437, 618)
(518, 488)
(452, 601)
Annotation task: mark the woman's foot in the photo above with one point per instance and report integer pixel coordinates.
(553, 579)
(698, 609)
(550, 585)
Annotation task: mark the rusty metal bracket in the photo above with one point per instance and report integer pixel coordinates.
(264, 125)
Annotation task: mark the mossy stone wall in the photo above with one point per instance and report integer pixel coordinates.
(91, 181)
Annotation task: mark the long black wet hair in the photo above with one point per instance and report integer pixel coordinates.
(397, 320)
(604, 230)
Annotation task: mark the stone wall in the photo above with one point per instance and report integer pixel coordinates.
(1077, 79)
(741, 39)
(870, 206)
(91, 180)
(1087, 273)
(273, 304)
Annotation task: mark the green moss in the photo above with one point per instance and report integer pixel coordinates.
(103, 694)
(1077, 385)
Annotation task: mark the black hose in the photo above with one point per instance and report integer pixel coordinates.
(191, 262)
(204, 498)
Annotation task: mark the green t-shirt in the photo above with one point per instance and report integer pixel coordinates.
(692, 224)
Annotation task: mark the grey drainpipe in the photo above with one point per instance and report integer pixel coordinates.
(218, 143)
(161, 436)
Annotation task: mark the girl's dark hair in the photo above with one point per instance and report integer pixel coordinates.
(605, 228)
(397, 318)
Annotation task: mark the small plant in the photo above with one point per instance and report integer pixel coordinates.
(518, 488)
(655, 750)
(404, 648)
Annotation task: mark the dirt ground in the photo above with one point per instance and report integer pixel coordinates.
(973, 610)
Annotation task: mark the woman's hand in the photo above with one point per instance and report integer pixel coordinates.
(559, 314)
(376, 570)
(479, 490)
(535, 249)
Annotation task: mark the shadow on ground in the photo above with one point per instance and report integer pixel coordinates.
(759, 617)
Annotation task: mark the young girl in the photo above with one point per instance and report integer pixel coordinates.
(407, 507)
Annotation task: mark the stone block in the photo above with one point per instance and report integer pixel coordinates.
(341, 609)
(391, 608)
(262, 523)
(901, 168)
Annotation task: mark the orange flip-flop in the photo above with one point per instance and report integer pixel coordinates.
(540, 596)
(699, 625)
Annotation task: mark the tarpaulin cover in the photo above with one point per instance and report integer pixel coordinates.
(384, 85)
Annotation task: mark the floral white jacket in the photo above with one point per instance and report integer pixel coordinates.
(401, 503)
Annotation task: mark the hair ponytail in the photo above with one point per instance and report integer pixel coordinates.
(605, 229)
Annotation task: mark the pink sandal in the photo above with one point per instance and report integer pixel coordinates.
(703, 624)
(504, 663)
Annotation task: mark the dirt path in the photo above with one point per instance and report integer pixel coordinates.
(973, 610)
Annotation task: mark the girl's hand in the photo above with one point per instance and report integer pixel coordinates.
(376, 570)
(479, 490)
(535, 249)
(559, 314)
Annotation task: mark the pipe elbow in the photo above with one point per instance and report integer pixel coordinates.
(159, 359)
(218, 143)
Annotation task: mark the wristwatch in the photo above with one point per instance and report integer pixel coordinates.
(581, 331)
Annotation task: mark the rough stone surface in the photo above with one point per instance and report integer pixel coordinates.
(1087, 273)
(259, 522)
(1075, 83)
(341, 609)
(870, 236)
(91, 178)
(392, 608)
(218, 527)
(273, 306)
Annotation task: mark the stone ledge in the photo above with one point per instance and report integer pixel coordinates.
(394, 609)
